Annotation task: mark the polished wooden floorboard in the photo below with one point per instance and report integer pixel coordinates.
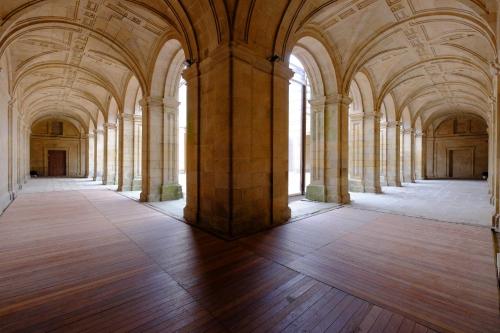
(94, 261)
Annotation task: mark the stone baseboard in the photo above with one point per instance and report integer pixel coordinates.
(171, 192)
(316, 193)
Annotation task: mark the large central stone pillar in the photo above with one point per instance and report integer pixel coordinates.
(171, 190)
(329, 143)
(126, 156)
(237, 142)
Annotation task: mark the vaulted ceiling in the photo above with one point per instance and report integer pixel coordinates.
(431, 56)
(74, 56)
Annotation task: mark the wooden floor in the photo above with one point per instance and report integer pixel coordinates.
(95, 261)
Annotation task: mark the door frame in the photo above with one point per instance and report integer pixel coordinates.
(46, 160)
(449, 152)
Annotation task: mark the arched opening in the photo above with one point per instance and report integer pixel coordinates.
(299, 130)
(169, 91)
(57, 148)
(457, 148)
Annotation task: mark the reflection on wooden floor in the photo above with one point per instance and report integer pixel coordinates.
(96, 261)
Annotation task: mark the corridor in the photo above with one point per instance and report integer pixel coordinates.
(457, 201)
(132, 268)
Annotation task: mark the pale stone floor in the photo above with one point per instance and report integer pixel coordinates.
(459, 201)
(48, 184)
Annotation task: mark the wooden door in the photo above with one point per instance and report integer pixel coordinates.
(461, 163)
(57, 163)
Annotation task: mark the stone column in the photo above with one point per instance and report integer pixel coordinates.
(137, 178)
(371, 152)
(356, 153)
(126, 155)
(328, 113)
(171, 190)
(237, 142)
(152, 148)
(83, 156)
(495, 221)
(383, 154)
(11, 149)
(99, 154)
(91, 153)
(341, 147)
(316, 190)
(193, 197)
(280, 76)
(408, 155)
(419, 155)
(28, 153)
(429, 156)
(109, 175)
(20, 152)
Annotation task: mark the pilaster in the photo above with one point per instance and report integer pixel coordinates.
(393, 153)
(152, 148)
(126, 149)
(171, 189)
(109, 174)
(408, 155)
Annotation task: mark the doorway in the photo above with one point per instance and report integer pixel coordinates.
(57, 163)
(461, 163)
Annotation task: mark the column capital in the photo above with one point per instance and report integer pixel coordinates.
(338, 99)
(126, 116)
(407, 130)
(392, 124)
(369, 115)
(151, 101)
(137, 117)
(99, 131)
(333, 99)
(110, 125)
(170, 103)
(419, 134)
(91, 135)
(281, 70)
(356, 116)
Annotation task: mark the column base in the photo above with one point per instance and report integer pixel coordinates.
(356, 185)
(316, 193)
(144, 197)
(495, 223)
(97, 179)
(137, 184)
(396, 183)
(345, 199)
(373, 189)
(171, 192)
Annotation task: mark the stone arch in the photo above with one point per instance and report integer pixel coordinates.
(365, 88)
(169, 55)
(318, 64)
